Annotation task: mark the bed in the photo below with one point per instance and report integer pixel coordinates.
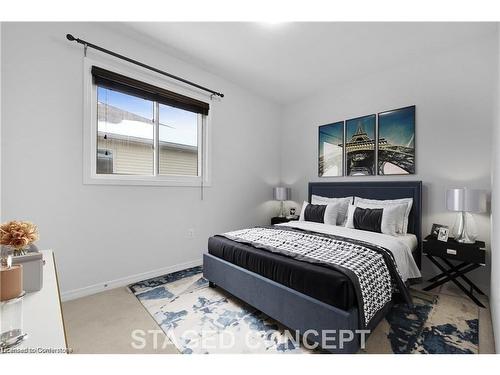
(305, 295)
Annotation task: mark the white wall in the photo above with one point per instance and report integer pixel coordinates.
(452, 92)
(495, 214)
(103, 233)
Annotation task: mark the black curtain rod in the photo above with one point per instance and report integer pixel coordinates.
(71, 38)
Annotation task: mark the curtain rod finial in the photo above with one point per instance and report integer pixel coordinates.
(70, 37)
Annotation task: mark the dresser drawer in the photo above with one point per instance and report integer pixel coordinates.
(458, 252)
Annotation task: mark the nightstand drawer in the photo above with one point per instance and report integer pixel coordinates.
(455, 251)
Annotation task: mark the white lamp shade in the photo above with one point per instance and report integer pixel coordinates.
(282, 193)
(468, 200)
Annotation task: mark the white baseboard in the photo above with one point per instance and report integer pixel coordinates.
(124, 281)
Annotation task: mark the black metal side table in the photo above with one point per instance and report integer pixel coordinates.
(470, 256)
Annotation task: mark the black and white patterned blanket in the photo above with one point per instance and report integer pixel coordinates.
(371, 268)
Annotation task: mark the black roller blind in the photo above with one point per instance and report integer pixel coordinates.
(118, 82)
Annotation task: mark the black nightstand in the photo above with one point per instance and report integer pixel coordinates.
(470, 256)
(279, 220)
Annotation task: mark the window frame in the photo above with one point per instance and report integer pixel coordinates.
(90, 175)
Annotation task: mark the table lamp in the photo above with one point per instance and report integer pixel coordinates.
(282, 194)
(465, 200)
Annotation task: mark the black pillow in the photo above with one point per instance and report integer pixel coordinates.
(368, 219)
(315, 212)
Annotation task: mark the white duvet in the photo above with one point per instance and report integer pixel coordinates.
(400, 246)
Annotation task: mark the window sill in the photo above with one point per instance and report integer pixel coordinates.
(145, 181)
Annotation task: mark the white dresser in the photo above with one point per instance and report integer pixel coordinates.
(42, 314)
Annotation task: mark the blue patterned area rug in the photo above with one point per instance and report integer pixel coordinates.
(441, 324)
(199, 319)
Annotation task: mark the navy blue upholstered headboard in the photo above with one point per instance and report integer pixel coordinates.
(380, 190)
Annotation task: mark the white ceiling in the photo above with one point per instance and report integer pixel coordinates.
(287, 61)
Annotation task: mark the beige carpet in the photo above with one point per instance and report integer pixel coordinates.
(104, 322)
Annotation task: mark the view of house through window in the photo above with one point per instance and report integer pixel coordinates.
(126, 137)
(178, 135)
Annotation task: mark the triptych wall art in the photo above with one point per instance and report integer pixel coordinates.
(382, 144)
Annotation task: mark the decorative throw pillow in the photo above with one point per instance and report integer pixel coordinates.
(330, 213)
(368, 219)
(344, 204)
(315, 213)
(391, 218)
(399, 210)
(375, 203)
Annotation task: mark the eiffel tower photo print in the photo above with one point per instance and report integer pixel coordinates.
(360, 146)
(396, 141)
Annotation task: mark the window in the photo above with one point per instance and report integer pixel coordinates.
(125, 128)
(143, 133)
(178, 136)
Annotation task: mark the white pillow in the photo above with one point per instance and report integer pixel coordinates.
(382, 203)
(391, 218)
(345, 202)
(397, 212)
(331, 213)
(303, 209)
(350, 216)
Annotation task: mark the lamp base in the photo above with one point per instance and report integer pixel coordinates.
(282, 209)
(463, 234)
(464, 238)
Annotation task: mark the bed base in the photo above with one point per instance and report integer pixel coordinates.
(293, 309)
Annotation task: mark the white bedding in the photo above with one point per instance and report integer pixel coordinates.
(400, 246)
